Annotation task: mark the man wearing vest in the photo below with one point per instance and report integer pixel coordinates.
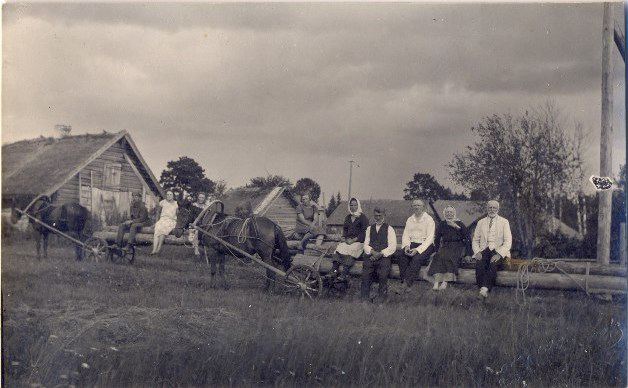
(380, 243)
(491, 244)
(417, 243)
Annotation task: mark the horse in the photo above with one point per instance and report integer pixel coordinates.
(70, 218)
(254, 235)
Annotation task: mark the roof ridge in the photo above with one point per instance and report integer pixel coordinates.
(52, 139)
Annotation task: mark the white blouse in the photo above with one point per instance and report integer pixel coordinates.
(419, 230)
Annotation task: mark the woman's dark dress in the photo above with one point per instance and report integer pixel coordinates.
(452, 245)
(352, 229)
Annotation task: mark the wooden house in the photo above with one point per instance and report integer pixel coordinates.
(397, 212)
(278, 204)
(469, 212)
(99, 171)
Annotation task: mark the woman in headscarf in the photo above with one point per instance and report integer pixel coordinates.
(167, 220)
(352, 244)
(453, 243)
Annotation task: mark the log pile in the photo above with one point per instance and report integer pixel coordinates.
(142, 238)
(615, 283)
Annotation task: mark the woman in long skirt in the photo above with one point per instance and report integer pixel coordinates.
(352, 244)
(453, 243)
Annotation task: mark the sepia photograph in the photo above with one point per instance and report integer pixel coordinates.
(334, 194)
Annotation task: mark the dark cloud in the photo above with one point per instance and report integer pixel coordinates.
(299, 88)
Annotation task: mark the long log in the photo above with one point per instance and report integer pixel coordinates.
(550, 281)
(570, 266)
(144, 230)
(142, 238)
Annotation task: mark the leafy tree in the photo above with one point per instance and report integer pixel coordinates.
(220, 189)
(425, 186)
(523, 161)
(308, 185)
(185, 175)
(269, 182)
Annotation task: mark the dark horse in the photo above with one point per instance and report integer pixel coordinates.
(69, 218)
(253, 235)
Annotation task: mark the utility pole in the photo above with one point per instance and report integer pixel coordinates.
(606, 136)
(351, 162)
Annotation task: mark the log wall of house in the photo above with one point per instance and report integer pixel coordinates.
(92, 181)
(283, 213)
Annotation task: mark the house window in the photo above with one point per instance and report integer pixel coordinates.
(111, 177)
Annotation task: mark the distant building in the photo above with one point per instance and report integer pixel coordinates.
(278, 204)
(469, 212)
(99, 171)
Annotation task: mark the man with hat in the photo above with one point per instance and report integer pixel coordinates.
(380, 243)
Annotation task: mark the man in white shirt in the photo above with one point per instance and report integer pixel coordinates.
(380, 243)
(491, 244)
(417, 243)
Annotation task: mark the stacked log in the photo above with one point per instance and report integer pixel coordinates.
(551, 281)
(142, 238)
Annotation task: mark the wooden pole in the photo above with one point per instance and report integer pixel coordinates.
(606, 155)
(623, 254)
(350, 176)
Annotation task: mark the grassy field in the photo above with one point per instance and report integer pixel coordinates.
(158, 323)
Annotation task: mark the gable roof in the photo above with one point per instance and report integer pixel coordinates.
(397, 211)
(259, 200)
(43, 165)
(469, 212)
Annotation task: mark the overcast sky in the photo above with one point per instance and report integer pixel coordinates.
(300, 89)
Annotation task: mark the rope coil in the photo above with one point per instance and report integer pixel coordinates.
(539, 265)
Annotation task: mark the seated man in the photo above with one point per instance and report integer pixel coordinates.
(139, 218)
(491, 244)
(417, 244)
(196, 209)
(380, 243)
(307, 226)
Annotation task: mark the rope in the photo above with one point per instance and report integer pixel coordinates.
(538, 265)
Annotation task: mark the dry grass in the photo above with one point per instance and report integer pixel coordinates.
(158, 323)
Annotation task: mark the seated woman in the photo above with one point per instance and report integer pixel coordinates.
(352, 245)
(453, 244)
(306, 225)
(197, 207)
(166, 221)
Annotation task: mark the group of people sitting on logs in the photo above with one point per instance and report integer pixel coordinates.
(442, 246)
(423, 242)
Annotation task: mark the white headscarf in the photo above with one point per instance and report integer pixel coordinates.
(451, 222)
(357, 212)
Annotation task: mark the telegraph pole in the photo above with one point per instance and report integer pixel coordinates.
(351, 162)
(606, 136)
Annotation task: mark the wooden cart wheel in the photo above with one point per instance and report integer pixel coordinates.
(129, 253)
(96, 249)
(119, 255)
(304, 280)
(335, 286)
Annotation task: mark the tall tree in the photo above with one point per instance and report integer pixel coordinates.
(185, 175)
(522, 161)
(269, 182)
(308, 185)
(425, 186)
(338, 199)
(331, 206)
